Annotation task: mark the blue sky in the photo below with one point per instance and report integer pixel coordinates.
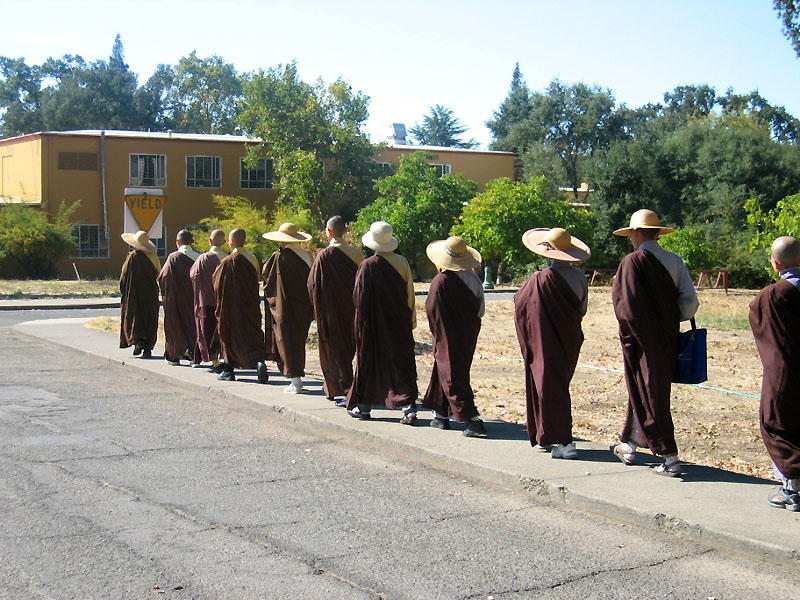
(412, 54)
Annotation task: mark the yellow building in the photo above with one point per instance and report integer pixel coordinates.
(481, 166)
(98, 167)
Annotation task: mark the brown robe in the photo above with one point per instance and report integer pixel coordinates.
(288, 313)
(139, 302)
(646, 305)
(330, 288)
(385, 369)
(547, 316)
(239, 312)
(452, 310)
(205, 306)
(775, 319)
(178, 299)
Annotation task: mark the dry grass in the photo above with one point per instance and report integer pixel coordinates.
(20, 289)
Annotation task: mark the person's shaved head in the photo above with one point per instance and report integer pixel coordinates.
(336, 225)
(217, 237)
(185, 237)
(786, 251)
(238, 236)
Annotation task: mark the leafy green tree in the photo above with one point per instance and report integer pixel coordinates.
(420, 205)
(237, 211)
(202, 95)
(440, 128)
(29, 238)
(692, 246)
(20, 97)
(323, 160)
(573, 121)
(495, 220)
(515, 109)
(789, 14)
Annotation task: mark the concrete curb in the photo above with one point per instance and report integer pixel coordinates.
(524, 471)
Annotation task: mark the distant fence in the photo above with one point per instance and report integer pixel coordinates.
(707, 279)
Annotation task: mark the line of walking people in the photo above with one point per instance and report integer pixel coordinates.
(365, 309)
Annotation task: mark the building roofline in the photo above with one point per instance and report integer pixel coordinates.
(415, 148)
(154, 135)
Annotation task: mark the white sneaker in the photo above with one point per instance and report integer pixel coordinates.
(295, 387)
(564, 451)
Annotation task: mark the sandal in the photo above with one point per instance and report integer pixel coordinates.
(672, 469)
(627, 458)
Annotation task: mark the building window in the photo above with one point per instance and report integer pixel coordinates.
(441, 169)
(203, 172)
(77, 161)
(259, 177)
(149, 170)
(90, 242)
(384, 168)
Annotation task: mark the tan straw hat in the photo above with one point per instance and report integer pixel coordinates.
(643, 219)
(287, 233)
(379, 237)
(556, 244)
(139, 240)
(453, 254)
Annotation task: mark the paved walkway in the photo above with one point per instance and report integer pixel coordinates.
(715, 507)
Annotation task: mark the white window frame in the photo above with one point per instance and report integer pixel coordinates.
(247, 183)
(86, 234)
(442, 169)
(215, 168)
(138, 178)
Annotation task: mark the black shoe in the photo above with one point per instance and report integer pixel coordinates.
(785, 499)
(216, 368)
(475, 429)
(357, 414)
(147, 354)
(331, 398)
(438, 423)
(263, 376)
(137, 350)
(342, 402)
(174, 363)
(227, 375)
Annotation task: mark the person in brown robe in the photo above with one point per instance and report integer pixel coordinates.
(775, 320)
(288, 313)
(330, 288)
(139, 295)
(205, 303)
(236, 289)
(178, 298)
(548, 310)
(454, 307)
(652, 292)
(386, 372)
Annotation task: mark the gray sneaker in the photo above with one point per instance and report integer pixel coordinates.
(564, 451)
(785, 499)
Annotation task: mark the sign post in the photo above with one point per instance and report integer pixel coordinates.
(143, 211)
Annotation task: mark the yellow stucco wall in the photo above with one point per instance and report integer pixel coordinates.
(479, 166)
(21, 170)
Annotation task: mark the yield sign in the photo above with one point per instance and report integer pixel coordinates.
(145, 209)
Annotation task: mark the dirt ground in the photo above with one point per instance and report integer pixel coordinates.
(713, 426)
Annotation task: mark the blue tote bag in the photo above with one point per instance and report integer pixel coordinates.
(691, 366)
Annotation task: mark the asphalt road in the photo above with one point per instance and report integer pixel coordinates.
(118, 484)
